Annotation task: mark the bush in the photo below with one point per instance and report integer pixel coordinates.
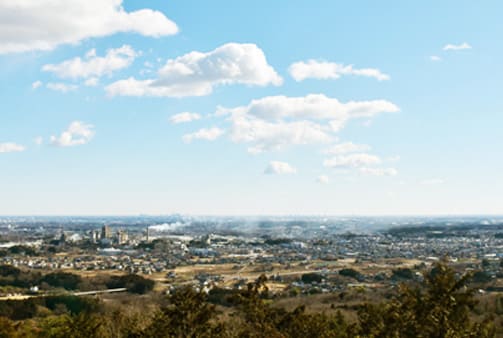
(311, 277)
(66, 280)
(133, 283)
(402, 273)
(351, 273)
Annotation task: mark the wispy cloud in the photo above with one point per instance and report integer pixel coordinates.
(61, 87)
(36, 84)
(279, 168)
(93, 66)
(461, 46)
(184, 117)
(11, 147)
(314, 69)
(208, 134)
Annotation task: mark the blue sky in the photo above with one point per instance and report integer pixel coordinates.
(256, 107)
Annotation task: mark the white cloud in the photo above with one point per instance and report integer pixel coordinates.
(27, 25)
(208, 134)
(312, 106)
(93, 66)
(322, 179)
(10, 147)
(345, 148)
(352, 161)
(36, 84)
(432, 181)
(378, 171)
(322, 70)
(279, 168)
(38, 140)
(184, 117)
(77, 133)
(435, 58)
(61, 87)
(196, 73)
(274, 122)
(92, 82)
(462, 46)
(267, 136)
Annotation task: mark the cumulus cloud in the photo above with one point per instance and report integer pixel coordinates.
(313, 69)
(312, 106)
(267, 136)
(184, 117)
(61, 87)
(461, 46)
(208, 134)
(38, 140)
(279, 168)
(11, 147)
(379, 171)
(93, 66)
(77, 133)
(346, 147)
(435, 58)
(352, 161)
(197, 73)
(27, 25)
(273, 122)
(322, 179)
(36, 84)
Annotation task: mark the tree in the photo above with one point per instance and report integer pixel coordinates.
(84, 325)
(440, 308)
(187, 315)
(133, 283)
(66, 280)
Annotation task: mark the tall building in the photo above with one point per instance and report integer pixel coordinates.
(95, 236)
(106, 232)
(122, 237)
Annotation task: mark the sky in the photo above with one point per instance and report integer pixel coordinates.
(287, 107)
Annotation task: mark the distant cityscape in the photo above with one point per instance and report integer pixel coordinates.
(230, 251)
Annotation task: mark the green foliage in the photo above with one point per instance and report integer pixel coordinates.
(25, 309)
(74, 305)
(440, 308)
(311, 277)
(187, 315)
(66, 280)
(22, 250)
(12, 276)
(9, 270)
(262, 320)
(350, 273)
(18, 309)
(133, 283)
(7, 328)
(402, 274)
(84, 325)
(481, 277)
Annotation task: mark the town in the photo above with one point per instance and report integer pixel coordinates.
(175, 251)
